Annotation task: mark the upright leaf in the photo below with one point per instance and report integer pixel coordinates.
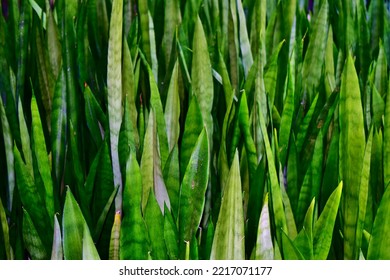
(202, 81)
(351, 150)
(323, 227)
(264, 246)
(193, 190)
(378, 248)
(228, 243)
(153, 180)
(314, 58)
(133, 236)
(114, 89)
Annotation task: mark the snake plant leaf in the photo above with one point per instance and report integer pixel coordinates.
(323, 227)
(172, 20)
(290, 251)
(193, 190)
(364, 189)
(154, 220)
(271, 73)
(32, 239)
(381, 69)
(39, 147)
(151, 170)
(129, 96)
(202, 81)
(148, 37)
(10, 159)
(74, 228)
(134, 235)
(104, 216)
(89, 249)
(192, 128)
(114, 247)
(104, 183)
(172, 179)
(378, 107)
(351, 150)
(229, 242)
(114, 89)
(172, 109)
(156, 104)
(57, 251)
(275, 192)
(5, 232)
(376, 15)
(53, 41)
(315, 54)
(59, 130)
(264, 249)
(378, 248)
(32, 200)
(304, 126)
(245, 47)
(386, 139)
(46, 78)
(95, 117)
(287, 118)
(171, 235)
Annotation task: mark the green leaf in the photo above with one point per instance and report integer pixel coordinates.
(264, 248)
(95, 118)
(381, 69)
(153, 180)
(74, 228)
(172, 109)
(39, 147)
(171, 236)
(148, 37)
(156, 105)
(114, 89)
(229, 242)
(32, 239)
(5, 231)
(290, 251)
(315, 54)
(386, 139)
(134, 235)
(287, 119)
(275, 192)
(378, 248)
(172, 19)
(247, 58)
(59, 130)
(378, 107)
(172, 180)
(323, 227)
(56, 251)
(7, 135)
(202, 81)
(114, 247)
(192, 128)
(351, 150)
(193, 190)
(154, 220)
(32, 200)
(364, 189)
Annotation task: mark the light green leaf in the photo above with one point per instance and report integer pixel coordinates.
(229, 238)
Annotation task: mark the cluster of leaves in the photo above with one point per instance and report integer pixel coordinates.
(199, 129)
